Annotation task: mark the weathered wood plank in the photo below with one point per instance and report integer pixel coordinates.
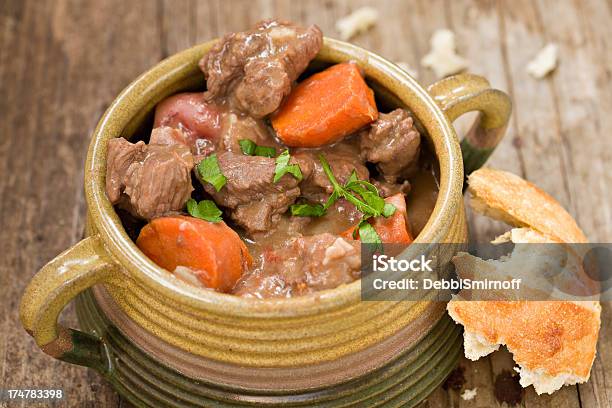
(582, 95)
(67, 62)
(471, 21)
(177, 25)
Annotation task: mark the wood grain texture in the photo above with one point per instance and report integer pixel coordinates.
(62, 62)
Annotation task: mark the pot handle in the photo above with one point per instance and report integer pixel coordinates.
(52, 288)
(462, 93)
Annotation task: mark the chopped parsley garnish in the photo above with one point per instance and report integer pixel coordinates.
(205, 209)
(362, 194)
(368, 235)
(365, 197)
(250, 148)
(283, 167)
(211, 173)
(388, 210)
(307, 210)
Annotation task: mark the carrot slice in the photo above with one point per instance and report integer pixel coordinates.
(393, 229)
(213, 251)
(325, 107)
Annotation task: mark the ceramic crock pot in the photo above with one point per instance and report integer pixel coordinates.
(161, 342)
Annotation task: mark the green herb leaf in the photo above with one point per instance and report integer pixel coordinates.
(368, 235)
(388, 210)
(211, 173)
(365, 198)
(283, 167)
(371, 198)
(250, 148)
(352, 178)
(247, 146)
(362, 206)
(367, 191)
(330, 175)
(205, 209)
(307, 210)
(356, 183)
(331, 200)
(370, 204)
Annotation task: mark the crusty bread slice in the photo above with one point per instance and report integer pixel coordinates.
(553, 342)
(507, 197)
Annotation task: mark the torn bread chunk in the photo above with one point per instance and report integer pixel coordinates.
(507, 197)
(553, 342)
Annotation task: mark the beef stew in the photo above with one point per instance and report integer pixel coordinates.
(301, 191)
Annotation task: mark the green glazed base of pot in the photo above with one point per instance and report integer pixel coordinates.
(145, 382)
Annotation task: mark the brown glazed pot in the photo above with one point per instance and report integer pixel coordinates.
(160, 342)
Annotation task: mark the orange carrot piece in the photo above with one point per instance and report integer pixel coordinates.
(213, 251)
(325, 107)
(393, 229)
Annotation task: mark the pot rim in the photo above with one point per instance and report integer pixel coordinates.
(130, 103)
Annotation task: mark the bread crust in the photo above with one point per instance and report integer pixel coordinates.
(507, 197)
(553, 342)
(557, 337)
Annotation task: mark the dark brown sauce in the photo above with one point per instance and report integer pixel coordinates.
(422, 198)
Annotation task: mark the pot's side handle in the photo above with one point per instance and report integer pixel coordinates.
(52, 288)
(459, 94)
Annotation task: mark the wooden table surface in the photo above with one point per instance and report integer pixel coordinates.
(63, 62)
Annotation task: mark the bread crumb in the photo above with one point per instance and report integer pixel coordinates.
(443, 58)
(406, 67)
(544, 63)
(469, 395)
(358, 21)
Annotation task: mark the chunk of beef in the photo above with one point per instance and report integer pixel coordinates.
(386, 189)
(199, 121)
(303, 265)
(393, 143)
(120, 156)
(148, 180)
(236, 126)
(255, 201)
(343, 159)
(166, 135)
(255, 69)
